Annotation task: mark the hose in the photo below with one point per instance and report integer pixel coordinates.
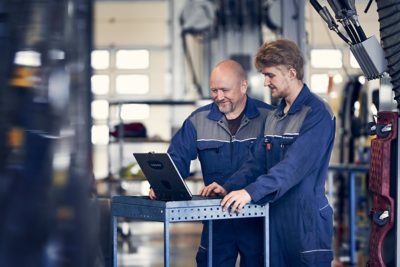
(389, 15)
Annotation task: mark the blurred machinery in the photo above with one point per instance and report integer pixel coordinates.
(234, 29)
(377, 61)
(45, 147)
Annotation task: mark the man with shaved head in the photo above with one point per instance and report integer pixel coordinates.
(221, 135)
(228, 88)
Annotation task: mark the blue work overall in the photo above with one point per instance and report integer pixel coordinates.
(290, 162)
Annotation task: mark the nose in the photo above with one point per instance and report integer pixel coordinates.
(267, 81)
(220, 95)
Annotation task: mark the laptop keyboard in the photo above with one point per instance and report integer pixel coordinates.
(199, 197)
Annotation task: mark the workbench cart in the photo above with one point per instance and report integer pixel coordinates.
(142, 208)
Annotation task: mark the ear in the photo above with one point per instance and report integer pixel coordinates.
(292, 73)
(243, 87)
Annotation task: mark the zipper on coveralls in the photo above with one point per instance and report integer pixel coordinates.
(231, 144)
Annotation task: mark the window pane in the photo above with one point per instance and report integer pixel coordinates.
(100, 59)
(319, 83)
(133, 84)
(353, 61)
(100, 134)
(131, 112)
(326, 58)
(100, 84)
(100, 109)
(132, 59)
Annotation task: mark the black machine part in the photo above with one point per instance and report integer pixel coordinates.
(389, 18)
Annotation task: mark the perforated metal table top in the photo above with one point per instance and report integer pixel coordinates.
(142, 208)
(179, 211)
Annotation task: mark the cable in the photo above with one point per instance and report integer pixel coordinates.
(388, 6)
(360, 32)
(394, 13)
(344, 38)
(351, 32)
(327, 17)
(335, 47)
(390, 25)
(388, 38)
(368, 6)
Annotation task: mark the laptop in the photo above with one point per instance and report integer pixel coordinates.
(164, 177)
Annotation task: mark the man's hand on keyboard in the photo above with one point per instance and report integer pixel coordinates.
(152, 194)
(213, 189)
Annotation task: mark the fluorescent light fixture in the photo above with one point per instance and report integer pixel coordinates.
(361, 79)
(100, 84)
(133, 59)
(100, 134)
(353, 61)
(133, 84)
(131, 112)
(326, 58)
(319, 83)
(100, 109)
(100, 59)
(28, 58)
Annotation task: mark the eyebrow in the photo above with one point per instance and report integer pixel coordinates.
(268, 73)
(220, 89)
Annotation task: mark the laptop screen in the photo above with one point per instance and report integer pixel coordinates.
(163, 176)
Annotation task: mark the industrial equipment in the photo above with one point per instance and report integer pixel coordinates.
(377, 61)
(45, 158)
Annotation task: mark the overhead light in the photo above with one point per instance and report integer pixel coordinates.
(28, 58)
(361, 79)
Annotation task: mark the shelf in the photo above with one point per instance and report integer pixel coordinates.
(139, 140)
(169, 102)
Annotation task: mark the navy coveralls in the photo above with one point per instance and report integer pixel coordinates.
(290, 163)
(205, 134)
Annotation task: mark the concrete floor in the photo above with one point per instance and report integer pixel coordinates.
(143, 245)
(146, 246)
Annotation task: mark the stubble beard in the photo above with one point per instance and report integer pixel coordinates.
(225, 107)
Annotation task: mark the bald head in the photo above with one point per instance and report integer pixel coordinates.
(228, 86)
(231, 67)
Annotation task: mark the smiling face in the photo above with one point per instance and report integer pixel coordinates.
(228, 89)
(277, 79)
(281, 62)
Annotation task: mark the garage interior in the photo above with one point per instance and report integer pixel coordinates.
(86, 83)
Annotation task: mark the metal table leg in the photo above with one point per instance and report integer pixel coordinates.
(114, 240)
(266, 236)
(210, 248)
(166, 243)
(179, 211)
(352, 217)
(330, 186)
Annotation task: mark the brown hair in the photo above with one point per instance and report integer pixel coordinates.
(280, 52)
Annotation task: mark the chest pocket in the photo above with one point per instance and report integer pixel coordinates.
(276, 148)
(212, 157)
(286, 142)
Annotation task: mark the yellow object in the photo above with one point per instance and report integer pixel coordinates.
(15, 137)
(131, 172)
(60, 179)
(24, 77)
